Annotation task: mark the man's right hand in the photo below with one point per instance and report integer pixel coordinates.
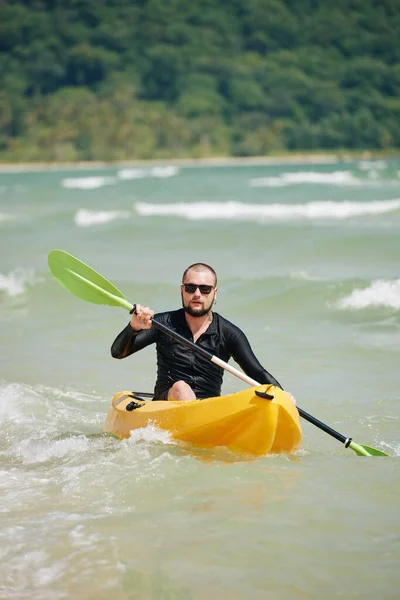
(141, 318)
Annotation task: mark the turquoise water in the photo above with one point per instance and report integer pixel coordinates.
(308, 261)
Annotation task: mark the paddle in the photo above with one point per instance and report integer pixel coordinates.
(85, 283)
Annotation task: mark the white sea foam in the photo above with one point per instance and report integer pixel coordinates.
(304, 276)
(338, 178)
(150, 434)
(88, 218)
(380, 293)
(259, 212)
(37, 451)
(126, 174)
(160, 172)
(46, 575)
(94, 182)
(367, 165)
(88, 183)
(17, 281)
(335, 178)
(164, 172)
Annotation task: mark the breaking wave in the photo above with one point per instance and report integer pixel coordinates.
(88, 183)
(380, 293)
(260, 212)
(338, 178)
(88, 218)
(94, 182)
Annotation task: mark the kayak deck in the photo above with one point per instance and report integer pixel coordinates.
(243, 422)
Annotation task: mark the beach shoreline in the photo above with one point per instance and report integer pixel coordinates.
(223, 161)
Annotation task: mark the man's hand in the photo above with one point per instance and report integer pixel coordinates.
(141, 318)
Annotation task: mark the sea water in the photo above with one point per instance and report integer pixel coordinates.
(308, 259)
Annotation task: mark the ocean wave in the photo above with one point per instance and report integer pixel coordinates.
(25, 405)
(126, 174)
(338, 178)
(385, 293)
(87, 218)
(259, 212)
(304, 276)
(160, 172)
(88, 183)
(369, 165)
(94, 182)
(17, 281)
(41, 451)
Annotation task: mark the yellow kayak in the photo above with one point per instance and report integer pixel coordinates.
(243, 422)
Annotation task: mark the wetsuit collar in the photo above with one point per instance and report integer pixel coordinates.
(212, 328)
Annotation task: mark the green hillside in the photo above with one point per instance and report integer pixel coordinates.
(126, 79)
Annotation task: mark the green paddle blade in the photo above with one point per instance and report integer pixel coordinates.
(363, 450)
(83, 281)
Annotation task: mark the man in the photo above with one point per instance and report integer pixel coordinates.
(182, 373)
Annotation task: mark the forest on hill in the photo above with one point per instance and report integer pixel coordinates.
(140, 79)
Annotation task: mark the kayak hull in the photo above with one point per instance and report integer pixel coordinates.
(243, 422)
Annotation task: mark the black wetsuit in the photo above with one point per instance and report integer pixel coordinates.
(176, 362)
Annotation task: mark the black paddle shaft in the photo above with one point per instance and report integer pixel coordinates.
(326, 428)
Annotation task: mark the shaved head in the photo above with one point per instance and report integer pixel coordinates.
(200, 267)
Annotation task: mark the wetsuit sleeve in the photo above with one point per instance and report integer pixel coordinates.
(129, 341)
(243, 354)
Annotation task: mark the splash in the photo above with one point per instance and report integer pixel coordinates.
(259, 212)
(379, 293)
(33, 437)
(150, 434)
(33, 451)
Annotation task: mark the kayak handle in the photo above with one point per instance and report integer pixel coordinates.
(264, 395)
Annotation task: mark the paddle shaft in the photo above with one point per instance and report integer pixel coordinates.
(326, 428)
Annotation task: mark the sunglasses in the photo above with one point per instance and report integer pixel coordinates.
(190, 288)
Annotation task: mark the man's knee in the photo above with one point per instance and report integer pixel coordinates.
(181, 391)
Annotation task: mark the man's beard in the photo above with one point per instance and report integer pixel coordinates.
(195, 313)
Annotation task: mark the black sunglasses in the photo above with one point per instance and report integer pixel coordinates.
(190, 288)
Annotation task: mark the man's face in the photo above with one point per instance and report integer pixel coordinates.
(197, 303)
